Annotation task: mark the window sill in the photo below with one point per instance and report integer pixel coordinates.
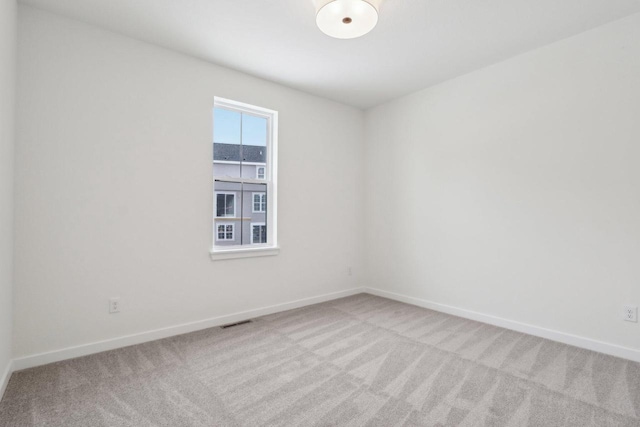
(220, 254)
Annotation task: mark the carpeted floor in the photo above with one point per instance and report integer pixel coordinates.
(361, 360)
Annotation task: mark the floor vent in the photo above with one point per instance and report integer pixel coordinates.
(230, 325)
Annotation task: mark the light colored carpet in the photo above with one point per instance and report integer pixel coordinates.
(356, 361)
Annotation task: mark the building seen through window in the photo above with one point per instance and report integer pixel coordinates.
(242, 177)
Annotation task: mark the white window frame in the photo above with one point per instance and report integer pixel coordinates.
(263, 201)
(235, 203)
(256, 224)
(270, 179)
(264, 175)
(229, 162)
(225, 225)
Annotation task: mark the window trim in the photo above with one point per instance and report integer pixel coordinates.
(235, 201)
(264, 175)
(225, 224)
(270, 179)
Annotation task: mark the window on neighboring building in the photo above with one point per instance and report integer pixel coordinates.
(225, 204)
(224, 232)
(258, 233)
(259, 202)
(244, 177)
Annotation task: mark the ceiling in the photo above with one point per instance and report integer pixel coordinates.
(417, 43)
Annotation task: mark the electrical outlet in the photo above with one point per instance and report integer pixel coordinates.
(630, 313)
(114, 305)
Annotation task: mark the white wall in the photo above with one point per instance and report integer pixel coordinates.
(7, 112)
(514, 191)
(114, 189)
(511, 191)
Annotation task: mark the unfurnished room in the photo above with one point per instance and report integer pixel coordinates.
(319, 213)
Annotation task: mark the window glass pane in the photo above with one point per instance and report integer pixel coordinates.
(227, 137)
(219, 204)
(227, 212)
(225, 234)
(254, 212)
(259, 202)
(259, 233)
(226, 126)
(230, 205)
(226, 199)
(254, 130)
(254, 145)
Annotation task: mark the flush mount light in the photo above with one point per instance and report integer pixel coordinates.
(346, 19)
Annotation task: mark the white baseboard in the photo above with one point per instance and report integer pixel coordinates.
(127, 340)
(124, 341)
(565, 338)
(4, 380)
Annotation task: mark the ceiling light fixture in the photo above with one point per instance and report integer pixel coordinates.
(346, 19)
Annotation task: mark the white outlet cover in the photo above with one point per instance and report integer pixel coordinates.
(630, 313)
(114, 305)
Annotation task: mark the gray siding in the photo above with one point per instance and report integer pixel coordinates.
(236, 170)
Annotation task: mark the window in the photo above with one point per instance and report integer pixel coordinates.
(224, 232)
(258, 233)
(259, 202)
(244, 180)
(225, 204)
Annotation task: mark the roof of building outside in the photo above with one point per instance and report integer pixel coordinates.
(231, 153)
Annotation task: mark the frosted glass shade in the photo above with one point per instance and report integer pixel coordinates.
(347, 19)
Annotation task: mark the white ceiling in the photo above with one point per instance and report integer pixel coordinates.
(416, 44)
